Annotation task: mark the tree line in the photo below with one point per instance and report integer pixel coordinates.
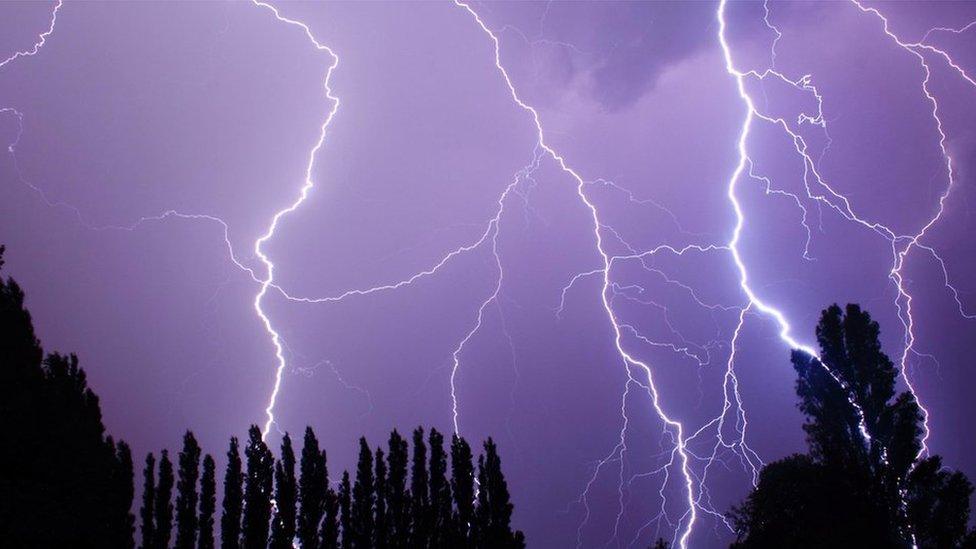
(398, 498)
(64, 482)
(865, 481)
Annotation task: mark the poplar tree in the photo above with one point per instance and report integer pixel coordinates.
(439, 513)
(283, 526)
(148, 511)
(363, 497)
(122, 520)
(493, 517)
(345, 512)
(462, 485)
(186, 497)
(312, 486)
(329, 538)
(233, 502)
(208, 503)
(398, 498)
(381, 538)
(164, 503)
(419, 494)
(257, 491)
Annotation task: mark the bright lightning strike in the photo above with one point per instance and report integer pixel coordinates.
(901, 245)
(673, 426)
(267, 282)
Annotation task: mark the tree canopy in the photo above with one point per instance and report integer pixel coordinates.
(864, 482)
(64, 482)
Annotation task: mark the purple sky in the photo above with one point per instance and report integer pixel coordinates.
(445, 265)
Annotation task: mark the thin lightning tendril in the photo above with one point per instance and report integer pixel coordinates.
(905, 298)
(41, 39)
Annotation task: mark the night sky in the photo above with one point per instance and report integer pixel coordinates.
(591, 231)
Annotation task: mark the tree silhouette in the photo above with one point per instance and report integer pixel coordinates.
(419, 495)
(493, 517)
(462, 485)
(64, 481)
(148, 511)
(257, 491)
(124, 491)
(164, 503)
(311, 491)
(861, 484)
(186, 493)
(381, 538)
(208, 503)
(233, 503)
(439, 515)
(398, 499)
(938, 505)
(363, 498)
(73, 485)
(286, 488)
(329, 535)
(345, 512)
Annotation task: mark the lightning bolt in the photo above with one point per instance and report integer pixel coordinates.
(36, 47)
(679, 455)
(904, 303)
(265, 282)
(41, 39)
(307, 185)
(901, 245)
(675, 428)
(493, 229)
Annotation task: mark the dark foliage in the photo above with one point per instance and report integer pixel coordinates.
(330, 523)
(186, 493)
(148, 511)
(363, 499)
(74, 485)
(462, 484)
(420, 500)
(345, 512)
(938, 504)
(164, 503)
(312, 490)
(862, 484)
(123, 494)
(381, 539)
(397, 497)
(233, 504)
(257, 491)
(493, 516)
(208, 503)
(65, 482)
(440, 521)
(286, 493)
